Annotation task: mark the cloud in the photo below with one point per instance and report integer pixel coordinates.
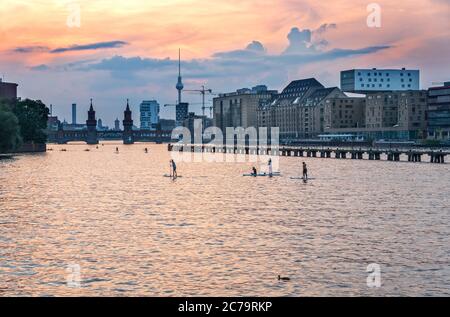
(325, 27)
(299, 41)
(253, 59)
(93, 46)
(31, 49)
(41, 67)
(254, 49)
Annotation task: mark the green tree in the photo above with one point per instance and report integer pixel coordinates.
(33, 117)
(10, 138)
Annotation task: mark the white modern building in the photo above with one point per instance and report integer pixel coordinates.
(376, 80)
(149, 114)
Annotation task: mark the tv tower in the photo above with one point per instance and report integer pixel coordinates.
(180, 85)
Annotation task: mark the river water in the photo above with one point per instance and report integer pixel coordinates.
(99, 223)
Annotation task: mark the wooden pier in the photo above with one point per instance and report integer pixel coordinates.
(372, 154)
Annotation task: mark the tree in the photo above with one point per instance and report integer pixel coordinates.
(33, 117)
(10, 138)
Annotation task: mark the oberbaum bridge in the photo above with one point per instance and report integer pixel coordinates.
(92, 136)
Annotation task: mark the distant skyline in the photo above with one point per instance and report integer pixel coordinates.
(129, 49)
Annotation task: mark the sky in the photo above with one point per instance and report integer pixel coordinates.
(68, 51)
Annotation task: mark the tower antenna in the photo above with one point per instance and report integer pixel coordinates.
(180, 85)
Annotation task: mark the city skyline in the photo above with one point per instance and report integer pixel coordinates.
(277, 42)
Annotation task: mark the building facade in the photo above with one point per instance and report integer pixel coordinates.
(74, 113)
(344, 113)
(181, 113)
(167, 124)
(438, 115)
(294, 110)
(373, 80)
(239, 109)
(117, 124)
(395, 115)
(8, 90)
(149, 114)
(190, 123)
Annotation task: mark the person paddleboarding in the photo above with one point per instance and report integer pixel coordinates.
(173, 169)
(270, 167)
(305, 172)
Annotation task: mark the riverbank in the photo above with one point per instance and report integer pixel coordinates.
(29, 148)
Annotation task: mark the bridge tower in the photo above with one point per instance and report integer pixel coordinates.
(91, 124)
(128, 137)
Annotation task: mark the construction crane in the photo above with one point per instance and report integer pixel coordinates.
(204, 91)
(174, 105)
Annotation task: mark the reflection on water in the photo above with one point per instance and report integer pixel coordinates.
(131, 231)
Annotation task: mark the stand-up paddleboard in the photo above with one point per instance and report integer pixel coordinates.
(262, 175)
(166, 175)
(303, 179)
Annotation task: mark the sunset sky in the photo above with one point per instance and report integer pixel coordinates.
(127, 49)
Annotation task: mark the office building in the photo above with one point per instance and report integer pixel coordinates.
(239, 109)
(181, 113)
(438, 113)
(343, 113)
(149, 114)
(167, 125)
(117, 124)
(190, 122)
(374, 80)
(8, 90)
(395, 115)
(74, 113)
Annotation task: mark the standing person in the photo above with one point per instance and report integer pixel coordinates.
(174, 169)
(254, 171)
(270, 167)
(305, 171)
